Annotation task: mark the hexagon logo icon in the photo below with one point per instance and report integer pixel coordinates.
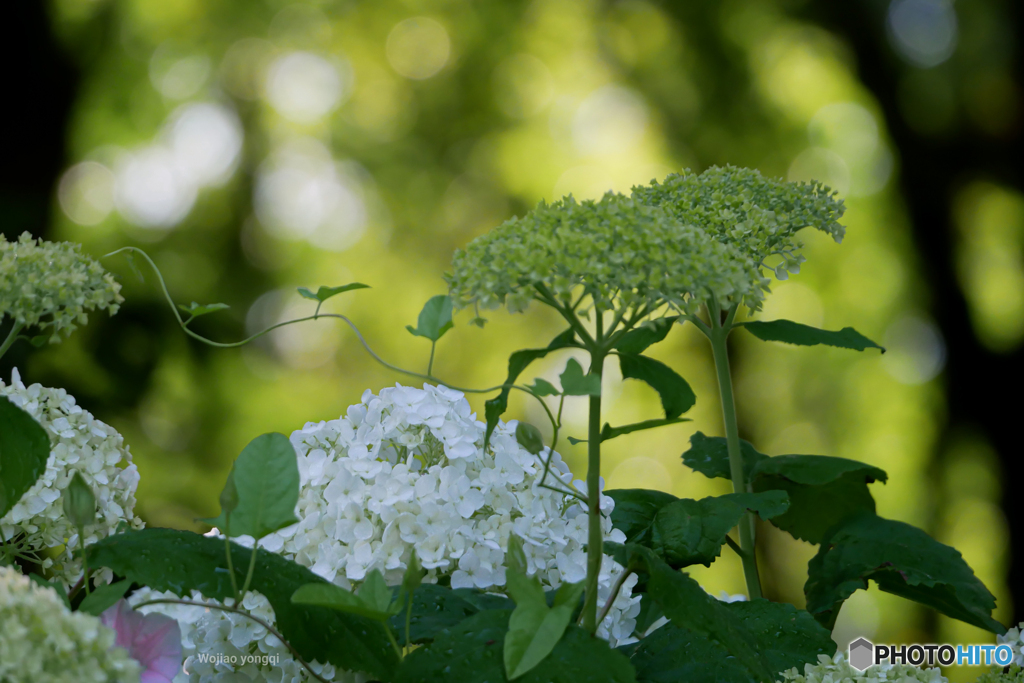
(862, 654)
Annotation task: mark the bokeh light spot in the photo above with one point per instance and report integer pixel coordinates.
(418, 48)
(924, 32)
(304, 87)
(86, 192)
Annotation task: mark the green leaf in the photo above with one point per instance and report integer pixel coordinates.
(24, 450)
(575, 383)
(676, 395)
(533, 628)
(635, 510)
(103, 597)
(610, 432)
(337, 598)
(494, 408)
(688, 532)
(266, 479)
(195, 310)
(651, 332)
(436, 608)
(688, 606)
(375, 594)
(709, 455)
(325, 293)
(435, 318)
(471, 652)
(823, 491)
(180, 561)
(542, 387)
(574, 441)
(530, 438)
(79, 502)
(56, 586)
(786, 637)
(902, 560)
(804, 335)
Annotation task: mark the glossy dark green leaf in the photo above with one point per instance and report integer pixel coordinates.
(435, 319)
(576, 383)
(24, 450)
(688, 606)
(610, 432)
(542, 387)
(79, 502)
(688, 532)
(471, 652)
(823, 491)
(709, 455)
(804, 335)
(266, 481)
(325, 293)
(676, 395)
(902, 560)
(195, 310)
(494, 408)
(103, 597)
(651, 332)
(529, 437)
(337, 598)
(436, 608)
(181, 561)
(786, 637)
(635, 510)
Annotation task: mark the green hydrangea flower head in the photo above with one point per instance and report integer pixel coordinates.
(758, 216)
(42, 641)
(53, 285)
(1014, 674)
(837, 670)
(623, 253)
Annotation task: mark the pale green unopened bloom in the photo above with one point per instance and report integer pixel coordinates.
(52, 285)
(41, 641)
(620, 251)
(758, 216)
(837, 670)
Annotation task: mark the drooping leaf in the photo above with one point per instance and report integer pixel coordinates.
(103, 596)
(709, 455)
(676, 395)
(609, 432)
(181, 561)
(533, 628)
(823, 491)
(266, 480)
(542, 387)
(688, 532)
(435, 319)
(804, 335)
(436, 608)
(575, 383)
(494, 408)
(337, 598)
(195, 310)
(325, 293)
(24, 450)
(635, 510)
(786, 637)
(651, 332)
(471, 652)
(902, 560)
(529, 437)
(688, 606)
(79, 502)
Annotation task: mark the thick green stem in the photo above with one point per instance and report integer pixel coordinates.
(595, 540)
(718, 336)
(11, 337)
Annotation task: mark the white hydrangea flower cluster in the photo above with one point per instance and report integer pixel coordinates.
(43, 642)
(837, 670)
(406, 470)
(223, 646)
(1014, 637)
(78, 443)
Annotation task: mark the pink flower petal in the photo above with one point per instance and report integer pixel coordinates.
(153, 640)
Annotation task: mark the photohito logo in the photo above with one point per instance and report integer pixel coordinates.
(863, 653)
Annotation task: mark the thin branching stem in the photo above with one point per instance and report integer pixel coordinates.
(615, 593)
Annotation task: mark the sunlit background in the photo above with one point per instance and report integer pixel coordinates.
(256, 146)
